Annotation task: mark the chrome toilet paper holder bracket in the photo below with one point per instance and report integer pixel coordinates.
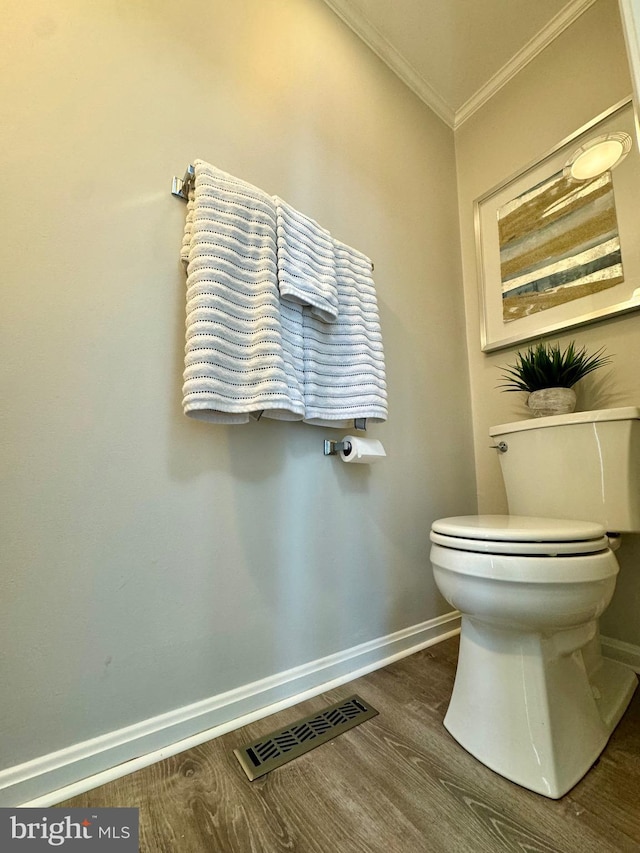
(332, 448)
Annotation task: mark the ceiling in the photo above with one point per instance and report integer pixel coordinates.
(455, 54)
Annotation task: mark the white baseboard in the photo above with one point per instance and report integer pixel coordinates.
(51, 778)
(625, 653)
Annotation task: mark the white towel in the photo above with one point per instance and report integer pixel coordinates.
(240, 358)
(306, 262)
(344, 371)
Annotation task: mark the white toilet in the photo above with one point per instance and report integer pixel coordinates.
(533, 698)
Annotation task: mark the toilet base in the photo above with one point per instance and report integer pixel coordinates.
(537, 709)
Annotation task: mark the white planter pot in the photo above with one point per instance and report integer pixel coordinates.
(551, 401)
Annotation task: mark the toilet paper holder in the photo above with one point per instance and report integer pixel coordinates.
(332, 448)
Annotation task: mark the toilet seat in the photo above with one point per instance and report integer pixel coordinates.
(518, 528)
(519, 535)
(522, 549)
(527, 549)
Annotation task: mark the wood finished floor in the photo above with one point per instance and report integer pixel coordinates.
(395, 784)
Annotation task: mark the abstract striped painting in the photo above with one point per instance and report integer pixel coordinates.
(558, 241)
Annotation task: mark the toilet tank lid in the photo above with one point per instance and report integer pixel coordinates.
(518, 528)
(625, 413)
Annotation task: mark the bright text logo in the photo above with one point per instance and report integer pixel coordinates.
(34, 830)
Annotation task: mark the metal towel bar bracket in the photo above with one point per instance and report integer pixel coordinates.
(180, 188)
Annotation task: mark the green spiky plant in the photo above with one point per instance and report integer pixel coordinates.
(548, 366)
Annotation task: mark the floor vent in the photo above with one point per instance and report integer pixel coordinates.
(282, 746)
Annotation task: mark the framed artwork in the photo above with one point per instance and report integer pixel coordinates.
(558, 243)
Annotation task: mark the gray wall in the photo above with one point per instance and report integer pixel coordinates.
(150, 561)
(581, 74)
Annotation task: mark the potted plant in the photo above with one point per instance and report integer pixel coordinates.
(549, 373)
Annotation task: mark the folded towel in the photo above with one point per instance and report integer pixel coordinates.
(240, 358)
(306, 262)
(344, 372)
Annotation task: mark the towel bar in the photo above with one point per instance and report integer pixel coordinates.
(180, 189)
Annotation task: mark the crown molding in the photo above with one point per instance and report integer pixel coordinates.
(523, 57)
(374, 39)
(390, 56)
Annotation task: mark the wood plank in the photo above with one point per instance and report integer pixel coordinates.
(398, 782)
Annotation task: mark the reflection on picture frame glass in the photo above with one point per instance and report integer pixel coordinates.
(558, 243)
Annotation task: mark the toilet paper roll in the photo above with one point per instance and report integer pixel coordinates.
(363, 450)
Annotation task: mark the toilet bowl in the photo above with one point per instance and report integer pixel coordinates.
(533, 698)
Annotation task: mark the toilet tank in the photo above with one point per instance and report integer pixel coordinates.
(584, 465)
